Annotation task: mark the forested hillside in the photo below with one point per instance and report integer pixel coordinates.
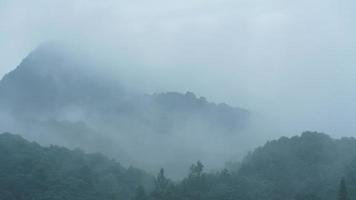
(312, 166)
(31, 172)
(307, 167)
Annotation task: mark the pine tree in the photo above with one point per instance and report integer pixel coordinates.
(161, 181)
(196, 170)
(163, 187)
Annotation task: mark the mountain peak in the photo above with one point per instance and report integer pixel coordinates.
(55, 93)
(50, 76)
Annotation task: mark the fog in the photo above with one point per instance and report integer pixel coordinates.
(291, 63)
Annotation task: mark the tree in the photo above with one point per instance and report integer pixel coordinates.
(342, 190)
(161, 181)
(196, 170)
(163, 187)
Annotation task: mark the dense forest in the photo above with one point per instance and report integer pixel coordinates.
(312, 166)
(31, 172)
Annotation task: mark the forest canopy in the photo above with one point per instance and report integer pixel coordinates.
(312, 166)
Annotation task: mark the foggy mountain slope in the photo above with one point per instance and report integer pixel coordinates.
(58, 97)
(50, 79)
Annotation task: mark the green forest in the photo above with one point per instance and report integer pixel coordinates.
(312, 166)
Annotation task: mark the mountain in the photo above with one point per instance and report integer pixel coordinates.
(306, 167)
(50, 79)
(32, 172)
(59, 96)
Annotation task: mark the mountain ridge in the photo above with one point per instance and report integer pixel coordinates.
(57, 96)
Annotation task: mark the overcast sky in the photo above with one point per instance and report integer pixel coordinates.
(291, 60)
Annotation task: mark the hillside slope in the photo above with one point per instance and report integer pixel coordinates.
(29, 171)
(56, 96)
(306, 167)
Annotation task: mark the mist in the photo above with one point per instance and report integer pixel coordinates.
(288, 63)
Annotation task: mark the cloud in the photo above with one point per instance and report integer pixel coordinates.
(291, 60)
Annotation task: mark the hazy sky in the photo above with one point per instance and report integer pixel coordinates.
(291, 60)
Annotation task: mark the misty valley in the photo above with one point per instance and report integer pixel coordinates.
(74, 133)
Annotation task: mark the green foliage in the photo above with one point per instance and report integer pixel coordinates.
(163, 187)
(198, 185)
(31, 172)
(307, 167)
(161, 182)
